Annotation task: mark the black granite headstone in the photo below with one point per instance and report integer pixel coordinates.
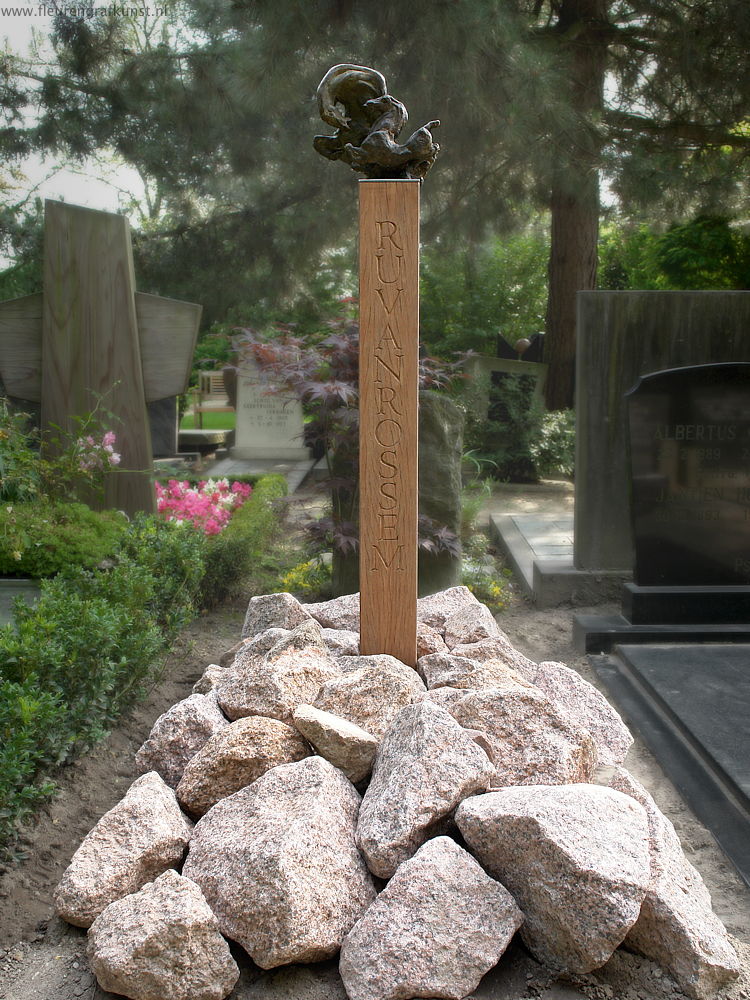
(690, 461)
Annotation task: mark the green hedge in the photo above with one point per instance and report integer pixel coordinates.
(231, 555)
(40, 538)
(91, 644)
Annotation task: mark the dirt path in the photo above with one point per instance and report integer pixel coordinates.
(41, 958)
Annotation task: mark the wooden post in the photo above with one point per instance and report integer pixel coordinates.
(388, 376)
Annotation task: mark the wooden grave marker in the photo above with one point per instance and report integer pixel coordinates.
(90, 335)
(388, 383)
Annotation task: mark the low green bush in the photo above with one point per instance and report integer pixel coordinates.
(91, 644)
(176, 554)
(41, 538)
(231, 556)
(554, 451)
(30, 738)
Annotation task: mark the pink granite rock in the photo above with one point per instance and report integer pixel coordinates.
(178, 735)
(588, 707)
(162, 943)
(448, 670)
(429, 640)
(499, 649)
(346, 746)
(340, 613)
(372, 695)
(425, 766)
(138, 839)
(438, 926)
(289, 674)
(576, 859)
(677, 927)
(278, 864)
(235, 757)
(382, 662)
(273, 611)
(437, 608)
(470, 625)
(341, 641)
(210, 678)
(255, 645)
(227, 657)
(532, 742)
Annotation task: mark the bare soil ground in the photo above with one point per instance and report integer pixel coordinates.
(42, 958)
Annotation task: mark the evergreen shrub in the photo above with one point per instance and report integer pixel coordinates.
(91, 645)
(231, 555)
(41, 538)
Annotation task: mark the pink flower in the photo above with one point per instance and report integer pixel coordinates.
(109, 439)
(114, 458)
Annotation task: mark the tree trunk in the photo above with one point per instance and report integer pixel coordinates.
(574, 200)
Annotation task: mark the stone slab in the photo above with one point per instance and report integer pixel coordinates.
(622, 335)
(686, 605)
(539, 548)
(690, 703)
(601, 633)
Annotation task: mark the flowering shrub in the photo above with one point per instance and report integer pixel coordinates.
(65, 466)
(94, 456)
(208, 506)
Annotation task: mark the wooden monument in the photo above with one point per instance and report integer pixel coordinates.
(368, 121)
(90, 336)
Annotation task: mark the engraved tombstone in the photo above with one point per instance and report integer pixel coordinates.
(690, 500)
(269, 425)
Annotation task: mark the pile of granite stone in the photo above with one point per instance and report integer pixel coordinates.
(319, 802)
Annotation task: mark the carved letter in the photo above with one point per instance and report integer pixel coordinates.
(389, 295)
(387, 563)
(386, 231)
(387, 523)
(389, 465)
(379, 254)
(386, 400)
(389, 496)
(390, 430)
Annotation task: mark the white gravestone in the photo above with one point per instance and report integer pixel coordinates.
(269, 425)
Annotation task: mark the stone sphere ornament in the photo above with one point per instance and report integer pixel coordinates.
(522, 345)
(368, 121)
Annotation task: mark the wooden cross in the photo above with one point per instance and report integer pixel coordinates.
(388, 382)
(89, 335)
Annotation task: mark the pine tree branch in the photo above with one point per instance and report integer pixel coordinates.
(687, 133)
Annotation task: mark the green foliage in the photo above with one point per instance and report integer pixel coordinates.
(19, 458)
(470, 295)
(627, 258)
(30, 739)
(486, 578)
(41, 538)
(503, 440)
(176, 555)
(91, 643)
(87, 648)
(308, 581)
(707, 252)
(242, 545)
(65, 465)
(553, 451)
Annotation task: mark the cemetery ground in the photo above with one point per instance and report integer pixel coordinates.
(43, 958)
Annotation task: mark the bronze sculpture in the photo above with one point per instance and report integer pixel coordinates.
(368, 120)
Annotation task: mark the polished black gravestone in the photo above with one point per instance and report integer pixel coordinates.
(691, 705)
(689, 442)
